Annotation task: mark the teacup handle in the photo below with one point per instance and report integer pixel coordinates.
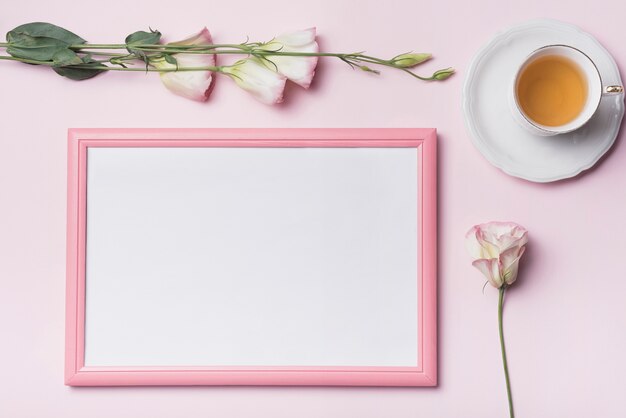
(613, 90)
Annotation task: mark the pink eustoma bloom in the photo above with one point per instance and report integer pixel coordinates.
(496, 248)
(194, 85)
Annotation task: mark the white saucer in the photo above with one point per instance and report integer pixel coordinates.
(510, 147)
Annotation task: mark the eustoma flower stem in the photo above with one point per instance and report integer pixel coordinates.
(496, 249)
(353, 59)
(188, 67)
(149, 69)
(504, 362)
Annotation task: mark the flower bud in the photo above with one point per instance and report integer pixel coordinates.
(368, 69)
(410, 60)
(442, 74)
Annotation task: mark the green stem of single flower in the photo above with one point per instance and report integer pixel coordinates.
(502, 347)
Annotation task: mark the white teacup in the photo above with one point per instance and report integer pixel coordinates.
(595, 90)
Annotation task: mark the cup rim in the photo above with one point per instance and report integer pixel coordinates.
(555, 130)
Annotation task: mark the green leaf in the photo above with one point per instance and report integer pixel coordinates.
(142, 38)
(76, 74)
(35, 48)
(47, 42)
(66, 57)
(47, 30)
(170, 59)
(79, 74)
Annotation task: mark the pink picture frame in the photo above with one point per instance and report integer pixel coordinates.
(423, 374)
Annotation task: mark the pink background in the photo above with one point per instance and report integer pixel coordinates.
(565, 320)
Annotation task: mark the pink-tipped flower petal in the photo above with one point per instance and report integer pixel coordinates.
(299, 69)
(194, 85)
(265, 85)
(490, 268)
(496, 248)
(509, 263)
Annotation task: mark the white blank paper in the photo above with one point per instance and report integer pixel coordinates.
(252, 256)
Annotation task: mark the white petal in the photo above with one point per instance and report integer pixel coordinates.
(502, 235)
(509, 262)
(264, 84)
(490, 268)
(499, 228)
(473, 246)
(490, 250)
(300, 70)
(194, 85)
(512, 241)
(297, 38)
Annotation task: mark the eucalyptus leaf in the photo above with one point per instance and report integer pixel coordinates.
(35, 48)
(47, 30)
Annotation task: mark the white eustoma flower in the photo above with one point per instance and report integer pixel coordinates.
(298, 69)
(194, 85)
(497, 248)
(257, 79)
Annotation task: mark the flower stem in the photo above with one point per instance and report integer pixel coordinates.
(156, 46)
(502, 347)
(106, 68)
(354, 59)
